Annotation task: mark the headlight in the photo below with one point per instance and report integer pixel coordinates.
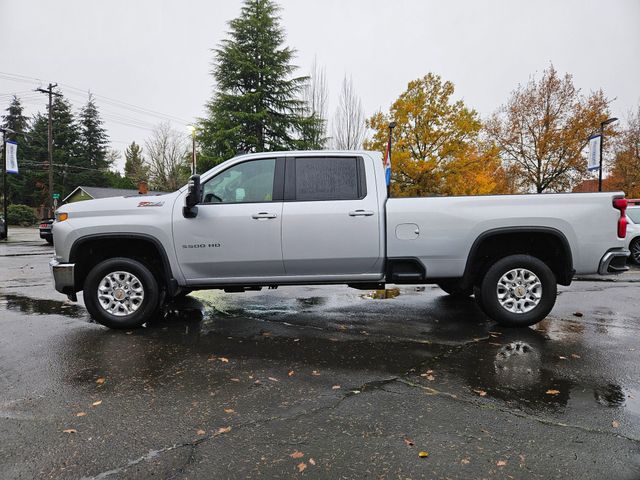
(61, 216)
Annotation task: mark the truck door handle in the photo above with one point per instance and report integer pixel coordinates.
(258, 216)
(360, 213)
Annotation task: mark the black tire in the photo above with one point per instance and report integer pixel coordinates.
(49, 240)
(489, 292)
(145, 310)
(634, 246)
(453, 288)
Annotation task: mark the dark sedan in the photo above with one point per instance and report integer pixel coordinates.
(46, 226)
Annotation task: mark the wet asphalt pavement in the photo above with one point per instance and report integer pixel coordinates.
(317, 382)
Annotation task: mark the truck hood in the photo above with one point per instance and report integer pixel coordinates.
(132, 205)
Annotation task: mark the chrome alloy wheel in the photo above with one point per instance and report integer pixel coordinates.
(120, 293)
(519, 290)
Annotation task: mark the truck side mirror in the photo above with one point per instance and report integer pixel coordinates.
(194, 195)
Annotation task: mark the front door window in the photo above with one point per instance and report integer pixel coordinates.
(248, 182)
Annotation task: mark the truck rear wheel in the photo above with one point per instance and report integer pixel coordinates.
(121, 293)
(518, 291)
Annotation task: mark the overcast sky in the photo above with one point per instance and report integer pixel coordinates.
(155, 55)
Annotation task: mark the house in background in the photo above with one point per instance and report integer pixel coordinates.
(90, 193)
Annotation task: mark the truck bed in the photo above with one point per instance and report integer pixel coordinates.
(440, 231)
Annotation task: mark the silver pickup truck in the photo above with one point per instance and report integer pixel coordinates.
(301, 218)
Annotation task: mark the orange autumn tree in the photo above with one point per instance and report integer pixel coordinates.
(542, 131)
(436, 143)
(626, 166)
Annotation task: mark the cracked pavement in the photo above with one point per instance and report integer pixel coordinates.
(319, 382)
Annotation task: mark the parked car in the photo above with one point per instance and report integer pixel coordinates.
(299, 218)
(633, 231)
(3, 228)
(46, 227)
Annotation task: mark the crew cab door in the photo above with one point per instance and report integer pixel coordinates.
(237, 230)
(330, 219)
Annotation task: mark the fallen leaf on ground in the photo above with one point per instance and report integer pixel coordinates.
(552, 392)
(615, 424)
(234, 379)
(408, 442)
(266, 334)
(100, 380)
(562, 358)
(482, 393)
(465, 461)
(224, 430)
(129, 332)
(302, 467)
(315, 373)
(297, 454)
(578, 314)
(335, 387)
(423, 454)
(501, 463)
(574, 355)
(201, 432)
(96, 403)
(81, 414)
(70, 430)
(229, 410)
(273, 379)
(211, 358)
(312, 461)
(291, 373)
(224, 360)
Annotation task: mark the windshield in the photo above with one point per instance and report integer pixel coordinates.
(634, 214)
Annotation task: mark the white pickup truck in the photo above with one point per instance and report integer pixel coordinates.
(300, 218)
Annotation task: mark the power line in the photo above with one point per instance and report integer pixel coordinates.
(109, 100)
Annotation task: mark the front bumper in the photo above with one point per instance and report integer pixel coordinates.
(613, 262)
(63, 276)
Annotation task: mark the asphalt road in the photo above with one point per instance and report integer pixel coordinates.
(317, 382)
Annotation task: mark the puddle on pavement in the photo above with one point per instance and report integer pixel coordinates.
(40, 306)
(518, 367)
(382, 294)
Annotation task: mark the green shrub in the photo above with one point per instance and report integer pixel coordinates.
(22, 215)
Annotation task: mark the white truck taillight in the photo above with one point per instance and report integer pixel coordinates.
(621, 205)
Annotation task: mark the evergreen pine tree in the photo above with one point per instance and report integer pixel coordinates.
(93, 144)
(19, 190)
(257, 105)
(15, 119)
(69, 165)
(135, 168)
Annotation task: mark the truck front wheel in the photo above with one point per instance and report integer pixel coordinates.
(518, 291)
(121, 293)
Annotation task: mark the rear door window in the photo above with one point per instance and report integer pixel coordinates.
(328, 178)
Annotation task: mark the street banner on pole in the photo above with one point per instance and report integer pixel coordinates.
(12, 156)
(593, 162)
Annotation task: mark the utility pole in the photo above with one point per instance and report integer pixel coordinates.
(49, 91)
